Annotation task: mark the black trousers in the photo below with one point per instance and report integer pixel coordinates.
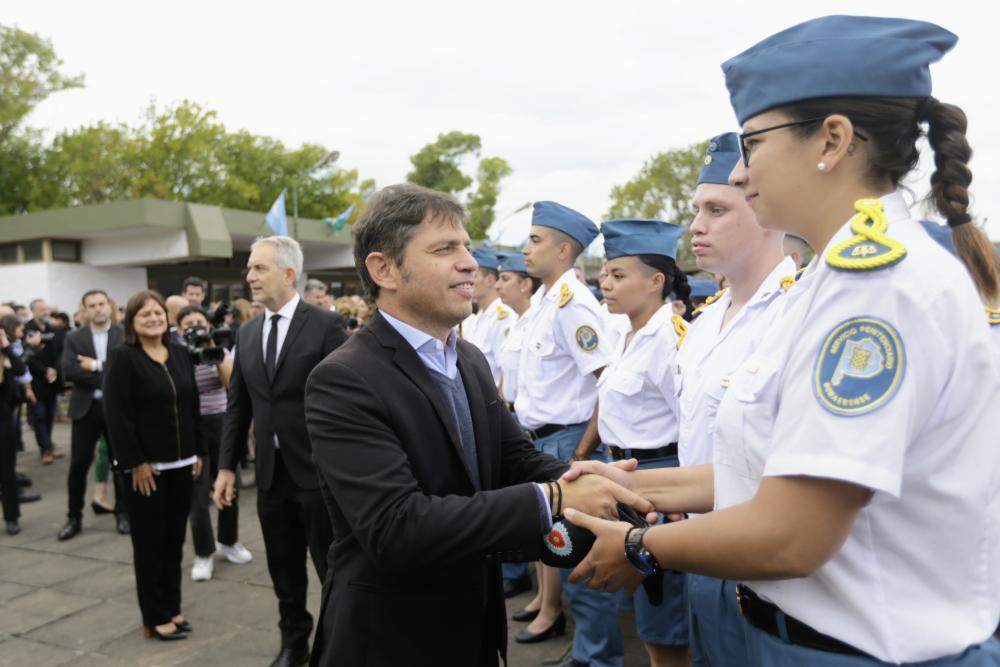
(83, 442)
(293, 521)
(8, 461)
(210, 433)
(159, 524)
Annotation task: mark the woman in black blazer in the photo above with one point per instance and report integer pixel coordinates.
(151, 407)
(11, 367)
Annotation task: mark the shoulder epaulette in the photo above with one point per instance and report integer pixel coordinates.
(709, 301)
(502, 313)
(680, 328)
(565, 295)
(992, 316)
(869, 248)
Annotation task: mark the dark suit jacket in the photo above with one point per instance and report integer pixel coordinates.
(81, 341)
(414, 568)
(276, 407)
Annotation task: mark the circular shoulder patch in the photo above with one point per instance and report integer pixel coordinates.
(558, 540)
(860, 366)
(586, 338)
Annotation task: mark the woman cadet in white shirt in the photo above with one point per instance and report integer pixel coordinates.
(857, 480)
(637, 414)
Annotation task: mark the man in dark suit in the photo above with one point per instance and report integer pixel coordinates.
(429, 481)
(85, 352)
(274, 356)
(45, 343)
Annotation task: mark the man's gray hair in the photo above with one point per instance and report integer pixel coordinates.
(287, 252)
(313, 284)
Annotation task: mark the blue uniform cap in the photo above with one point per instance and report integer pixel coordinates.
(836, 56)
(702, 288)
(940, 233)
(512, 261)
(623, 238)
(720, 157)
(486, 258)
(566, 220)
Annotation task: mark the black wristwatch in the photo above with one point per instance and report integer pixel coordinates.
(637, 555)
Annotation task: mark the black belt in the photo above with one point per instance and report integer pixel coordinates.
(619, 454)
(545, 431)
(764, 615)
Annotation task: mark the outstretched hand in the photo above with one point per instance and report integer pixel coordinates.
(619, 472)
(599, 495)
(605, 568)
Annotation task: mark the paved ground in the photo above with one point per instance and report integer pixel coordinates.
(73, 603)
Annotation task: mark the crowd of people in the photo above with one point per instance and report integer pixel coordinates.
(798, 468)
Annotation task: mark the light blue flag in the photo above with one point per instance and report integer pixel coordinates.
(336, 224)
(276, 216)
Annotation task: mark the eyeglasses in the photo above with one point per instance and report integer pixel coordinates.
(745, 152)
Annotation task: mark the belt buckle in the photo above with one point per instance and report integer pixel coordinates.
(530, 434)
(740, 601)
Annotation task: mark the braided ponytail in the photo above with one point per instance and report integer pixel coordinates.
(947, 124)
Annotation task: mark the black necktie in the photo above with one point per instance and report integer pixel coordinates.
(271, 358)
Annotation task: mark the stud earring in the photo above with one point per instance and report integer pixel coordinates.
(821, 166)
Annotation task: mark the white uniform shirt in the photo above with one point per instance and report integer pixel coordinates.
(563, 346)
(510, 356)
(617, 326)
(638, 408)
(710, 353)
(489, 331)
(919, 574)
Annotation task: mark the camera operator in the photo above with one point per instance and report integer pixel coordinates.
(42, 354)
(212, 370)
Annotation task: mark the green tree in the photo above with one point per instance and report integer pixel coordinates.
(29, 73)
(438, 166)
(663, 190)
(483, 200)
(87, 165)
(21, 155)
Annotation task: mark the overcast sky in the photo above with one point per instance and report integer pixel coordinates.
(574, 95)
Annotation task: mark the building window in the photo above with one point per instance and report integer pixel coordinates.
(8, 253)
(31, 251)
(65, 251)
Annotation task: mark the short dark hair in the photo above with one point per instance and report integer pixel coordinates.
(132, 308)
(92, 292)
(486, 271)
(391, 218)
(187, 310)
(194, 281)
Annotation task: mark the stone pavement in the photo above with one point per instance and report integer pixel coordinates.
(74, 603)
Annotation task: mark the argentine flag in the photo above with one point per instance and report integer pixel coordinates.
(276, 216)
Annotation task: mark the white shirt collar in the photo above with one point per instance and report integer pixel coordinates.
(285, 311)
(661, 316)
(417, 338)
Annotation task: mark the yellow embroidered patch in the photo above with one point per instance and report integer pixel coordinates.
(680, 328)
(992, 316)
(565, 295)
(502, 313)
(787, 282)
(869, 248)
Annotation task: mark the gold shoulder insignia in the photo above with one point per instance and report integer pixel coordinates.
(869, 248)
(992, 316)
(709, 301)
(680, 328)
(565, 295)
(502, 313)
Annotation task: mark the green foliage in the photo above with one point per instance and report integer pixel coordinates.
(438, 166)
(29, 73)
(662, 190)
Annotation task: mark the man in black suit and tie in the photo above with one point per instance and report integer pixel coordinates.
(85, 352)
(274, 355)
(429, 481)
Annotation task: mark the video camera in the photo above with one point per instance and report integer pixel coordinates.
(221, 334)
(203, 345)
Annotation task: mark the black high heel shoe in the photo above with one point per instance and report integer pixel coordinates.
(525, 615)
(99, 508)
(183, 626)
(557, 629)
(150, 632)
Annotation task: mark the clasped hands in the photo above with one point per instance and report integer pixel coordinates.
(591, 491)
